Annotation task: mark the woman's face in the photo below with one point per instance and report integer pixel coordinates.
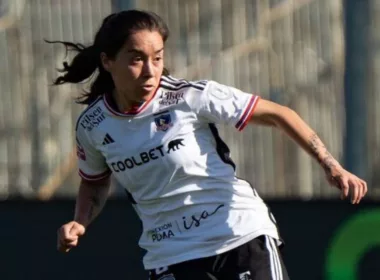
(137, 67)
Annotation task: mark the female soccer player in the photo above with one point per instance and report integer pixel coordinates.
(156, 134)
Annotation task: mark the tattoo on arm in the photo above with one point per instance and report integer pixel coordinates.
(320, 152)
(95, 205)
(314, 144)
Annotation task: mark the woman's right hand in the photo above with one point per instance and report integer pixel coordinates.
(68, 236)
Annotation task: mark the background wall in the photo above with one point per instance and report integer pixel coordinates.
(319, 57)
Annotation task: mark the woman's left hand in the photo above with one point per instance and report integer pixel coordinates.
(348, 183)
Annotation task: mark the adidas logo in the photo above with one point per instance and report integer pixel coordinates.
(108, 140)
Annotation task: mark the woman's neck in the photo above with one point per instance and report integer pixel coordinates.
(123, 103)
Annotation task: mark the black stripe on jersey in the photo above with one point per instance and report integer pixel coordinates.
(221, 147)
(173, 84)
(160, 113)
(173, 87)
(130, 197)
(172, 80)
(85, 110)
(108, 140)
(271, 217)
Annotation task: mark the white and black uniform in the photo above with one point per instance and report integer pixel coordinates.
(168, 156)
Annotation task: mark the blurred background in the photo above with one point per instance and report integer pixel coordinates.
(319, 57)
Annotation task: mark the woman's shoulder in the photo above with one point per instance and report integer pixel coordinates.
(172, 83)
(93, 109)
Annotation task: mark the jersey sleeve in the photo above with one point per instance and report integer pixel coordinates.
(226, 105)
(91, 163)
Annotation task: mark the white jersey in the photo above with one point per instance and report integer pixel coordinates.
(168, 156)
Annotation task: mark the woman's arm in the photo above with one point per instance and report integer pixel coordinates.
(272, 114)
(91, 199)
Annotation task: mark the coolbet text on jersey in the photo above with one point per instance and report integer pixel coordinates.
(176, 169)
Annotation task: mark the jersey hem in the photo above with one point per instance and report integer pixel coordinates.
(91, 105)
(189, 256)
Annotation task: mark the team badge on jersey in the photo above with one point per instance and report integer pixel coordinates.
(163, 122)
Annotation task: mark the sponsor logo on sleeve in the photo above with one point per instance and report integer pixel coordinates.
(221, 92)
(92, 119)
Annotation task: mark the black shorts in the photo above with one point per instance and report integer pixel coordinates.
(259, 259)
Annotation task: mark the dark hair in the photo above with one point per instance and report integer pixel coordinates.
(111, 36)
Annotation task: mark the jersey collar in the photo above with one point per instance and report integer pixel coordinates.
(112, 107)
